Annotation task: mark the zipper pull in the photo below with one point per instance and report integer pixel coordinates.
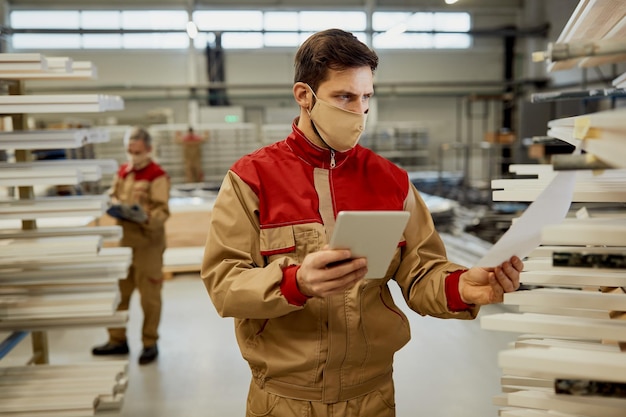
(332, 158)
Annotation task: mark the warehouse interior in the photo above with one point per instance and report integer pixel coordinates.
(460, 97)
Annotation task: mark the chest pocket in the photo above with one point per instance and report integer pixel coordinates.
(294, 241)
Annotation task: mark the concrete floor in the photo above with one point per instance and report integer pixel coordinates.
(448, 369)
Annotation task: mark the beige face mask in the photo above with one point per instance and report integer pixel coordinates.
(340, 129)
(138, 161)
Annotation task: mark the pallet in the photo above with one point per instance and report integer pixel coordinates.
(170, 271)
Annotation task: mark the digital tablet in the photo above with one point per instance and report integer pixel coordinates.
(370, 234)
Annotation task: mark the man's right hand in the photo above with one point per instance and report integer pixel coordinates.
(329, 271)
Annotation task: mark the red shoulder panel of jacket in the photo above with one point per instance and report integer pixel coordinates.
(284, 184)
(149, 173)
(367, 181)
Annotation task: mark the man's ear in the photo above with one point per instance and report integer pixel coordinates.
(302, 94)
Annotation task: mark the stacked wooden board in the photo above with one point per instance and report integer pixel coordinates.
(601, 134)
(36, 66)
(569, 359)
(56, 277)
(62, 390)
(568, 315)
(594, 35)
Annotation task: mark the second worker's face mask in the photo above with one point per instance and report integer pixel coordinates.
(339, 128)
(138, 160)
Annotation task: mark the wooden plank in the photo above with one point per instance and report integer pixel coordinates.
(56, 305)
(583, 406)
(70, 103)
(589, 329)
(66, 277)
(118, 319)
(607, 119)
(66, 402)
(22, 67)
(532, 169)
(579, 196)
(26, 176)
(524, 381)
(51, 413)
(568, 344)
(567, 298)
(91, 368)
(562, 311)
(578, 278)
(51, 139)
(592, 232)
(51, 207)
(591, 20)
(106, 232)
(30, 388)
(524, 412)
(500, 400)
(566, 363)
(20, 57)
(547, 250)
(83, 170)
(109, 402)
(607, 146)
(115, 255)
(620, 82)
(617, 32)
(58, 68)
(28, 249)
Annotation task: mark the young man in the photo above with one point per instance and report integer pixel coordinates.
(320, 339)
(141, 182)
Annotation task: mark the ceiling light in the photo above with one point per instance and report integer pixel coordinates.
(451, 1)
(192, 29)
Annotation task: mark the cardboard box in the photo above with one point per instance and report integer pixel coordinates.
(500, 137)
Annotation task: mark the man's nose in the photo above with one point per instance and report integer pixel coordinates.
(359, 107)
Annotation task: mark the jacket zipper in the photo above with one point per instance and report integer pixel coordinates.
(332, 158)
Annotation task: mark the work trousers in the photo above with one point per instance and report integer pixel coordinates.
(192, 155)
(379, 403)
(146, 275)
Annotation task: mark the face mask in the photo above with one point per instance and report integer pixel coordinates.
(340, 129)
(138, 161)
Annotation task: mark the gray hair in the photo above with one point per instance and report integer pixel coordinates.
(138, 133)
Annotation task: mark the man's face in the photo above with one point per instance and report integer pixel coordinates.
(137, 148)
(349, 89)
(138, 152)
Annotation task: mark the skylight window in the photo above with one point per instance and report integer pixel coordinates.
(240, 29)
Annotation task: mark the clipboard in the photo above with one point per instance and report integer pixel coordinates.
(370, 234)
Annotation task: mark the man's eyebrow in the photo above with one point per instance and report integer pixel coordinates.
(351, 93)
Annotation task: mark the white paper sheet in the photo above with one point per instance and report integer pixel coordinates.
(550, 207)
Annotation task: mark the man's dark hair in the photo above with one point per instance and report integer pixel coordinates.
(330, 49)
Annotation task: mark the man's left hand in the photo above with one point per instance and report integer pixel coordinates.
(481, 286)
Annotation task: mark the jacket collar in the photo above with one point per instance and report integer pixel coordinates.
(311, 153)
(130, 168)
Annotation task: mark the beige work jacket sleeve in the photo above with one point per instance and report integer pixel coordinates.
(424, 266)
(158, 203)
(112, 191)
(239, 281)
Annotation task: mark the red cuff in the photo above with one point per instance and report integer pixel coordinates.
(289, 286)
(452, 292)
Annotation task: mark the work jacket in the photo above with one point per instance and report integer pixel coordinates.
(150, 188)
(274, 207)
